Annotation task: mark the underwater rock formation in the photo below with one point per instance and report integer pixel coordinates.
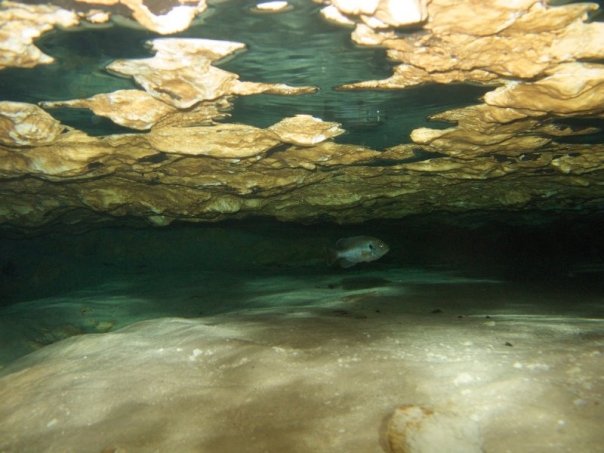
(418, 429)
(192, 165)
(21, 24)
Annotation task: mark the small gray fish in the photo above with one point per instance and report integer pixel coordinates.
(357, 249)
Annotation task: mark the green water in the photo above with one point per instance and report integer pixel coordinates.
(294, 47)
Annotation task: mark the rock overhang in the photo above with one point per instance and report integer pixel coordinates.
(189, 163)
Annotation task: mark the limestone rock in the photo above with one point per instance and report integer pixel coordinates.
(418, 429)
(272, 7)
(503, 153)
(377, 14)
(162, 16)
(476, 17)
(325, 154)
(230, 141)
(571, 89)
(486, 42)
(356, 7)
(24, 124)
(305, 130)
(130, 108)
(241, 88)
(400, 13)
(181, 72)
(21, 25)
(335, 16)
(203, 114)
(96, 16)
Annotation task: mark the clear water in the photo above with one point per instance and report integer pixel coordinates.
(239, 337)
(295, 47)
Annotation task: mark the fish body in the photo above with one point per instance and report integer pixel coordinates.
(357, 249)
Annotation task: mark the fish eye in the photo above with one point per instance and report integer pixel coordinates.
(370, 246)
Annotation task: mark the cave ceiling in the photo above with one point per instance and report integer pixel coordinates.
(419, 106)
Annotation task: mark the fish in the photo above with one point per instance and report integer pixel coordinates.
(357, 249)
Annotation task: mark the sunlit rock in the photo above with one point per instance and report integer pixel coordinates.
(181, 72)
(130, 108)
(333, 15)
(356, 7)
(272, 7)
(305, 130)
(487, 41)
(21, 25)
(376, 15)
(242, 88)
(77, 155)
(176, 19)
(231, 141)
(162, 16)
(408, 75)
(325, 154)
(398, 13)
(475, 17)
(504, 153)
(24, 124)
(571, 89)
(97, 16)
(202, 114)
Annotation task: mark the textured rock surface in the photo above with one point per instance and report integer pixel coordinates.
(26, 125)
(206, 173)
(272, 7)
(181, 72)
(21, 24)
(505, 153)
(131, 108)
(161, 16)
(418, 429)
(305, 130)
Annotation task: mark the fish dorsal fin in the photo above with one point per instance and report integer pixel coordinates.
(351, 241)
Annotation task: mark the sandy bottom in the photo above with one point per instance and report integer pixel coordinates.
(301, 362)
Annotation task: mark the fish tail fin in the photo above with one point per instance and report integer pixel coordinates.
(331, 256)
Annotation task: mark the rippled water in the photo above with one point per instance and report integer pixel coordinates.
(295, 47)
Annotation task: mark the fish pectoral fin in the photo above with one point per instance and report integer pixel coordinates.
(344, 263)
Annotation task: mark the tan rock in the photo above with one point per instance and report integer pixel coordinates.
(96, 16)
(177, 16)
(305, 130)
(325, 154)
(130, 108)
(181, 73)
(21, 25)
(24, 124)
(225, 141)
(406, 76)
(571, 89)
(356, 7)
(364, 35)
(272, 7)
(246, 88)
(401, 13)
(418, 429)
(203, 114)
(332, 14)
